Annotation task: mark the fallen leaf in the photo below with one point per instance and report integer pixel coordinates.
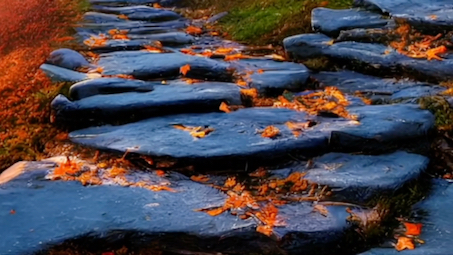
(250, 92)
(157, 5)
(433, 17)
(413, 229)
(199, 178)
(215, 212)
(241, 83)
(321, 209)
(236, 57)
(270, 132)
(122, 16)
(184, 69)
(224, 107)
(160, 173)
(194, 30)
(266, 230)
(404, 243)
(12, 211)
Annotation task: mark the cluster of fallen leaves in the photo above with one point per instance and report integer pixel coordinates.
(71, 170)
(410, 237)
(331, 101)
(30, 30)
(101, 39)
(263, 196)
(416, 45)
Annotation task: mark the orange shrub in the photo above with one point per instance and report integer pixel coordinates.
(28, 34)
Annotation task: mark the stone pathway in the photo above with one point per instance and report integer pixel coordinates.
(300, 169)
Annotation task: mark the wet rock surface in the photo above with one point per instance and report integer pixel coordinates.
(156, 87)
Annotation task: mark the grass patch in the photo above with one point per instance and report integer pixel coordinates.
(262, 22)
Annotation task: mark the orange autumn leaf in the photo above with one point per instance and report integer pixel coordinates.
(157, 5)
(236, 57)
(160, 173)
(250, 92)
(260, 172)
(122, 16)
(433, 17)
(260, 71)
(265, 230)
(199, 178)
(413, 229)
(184, 69)
(405, 243)
(432, 53)
(215, 212)
(270, 132)
(241, 83)
(152, 49)
(194, 30)
(222, 51)
(224, 107)
(12, 211)
(230, 182)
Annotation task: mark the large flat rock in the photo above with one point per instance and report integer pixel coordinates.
(236, 135)
(360, 177)
(426, 15)
(46, 213)
(331, 22)
(161, 100)
(370, 55)
(272, 77)
(139, 12)
(60, 74)
(434, 213)
(379, 90)
(146, 65)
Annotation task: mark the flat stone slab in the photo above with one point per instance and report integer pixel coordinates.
(236, 135)
(67, 58)
(129, 106)
(379, 90)
(358, 178)
(132, 27)
(271, 77)
(46, 213)
(60, 74)
(331, 22)
(132, 2)
(145, 65)
(371, 55)
(105, 86)
(435, 215)
(139, 12)
(422, 14)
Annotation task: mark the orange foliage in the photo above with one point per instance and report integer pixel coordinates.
(330, 100)
(194, 30)
(270, 132)
(413, 229)
(196, 132)
(236, 57)
(28, 29)
(404, 243)
(224, 107)
(184, 69)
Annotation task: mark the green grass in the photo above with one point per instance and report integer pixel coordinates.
(83, 6)
(262, 22)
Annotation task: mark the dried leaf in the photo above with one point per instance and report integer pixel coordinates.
(413, 229)
(215, 212)
(321, 209)
(157, 5)
(270, 132)
(12, 211)
(224, 107)
(404, 243)
(194, 30)
(199, 178)
(184, 69)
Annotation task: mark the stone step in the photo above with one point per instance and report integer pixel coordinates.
(38, 213)
(236, 137)
(373, 56)
(378, 90)
(140, 12)
(132, 106)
